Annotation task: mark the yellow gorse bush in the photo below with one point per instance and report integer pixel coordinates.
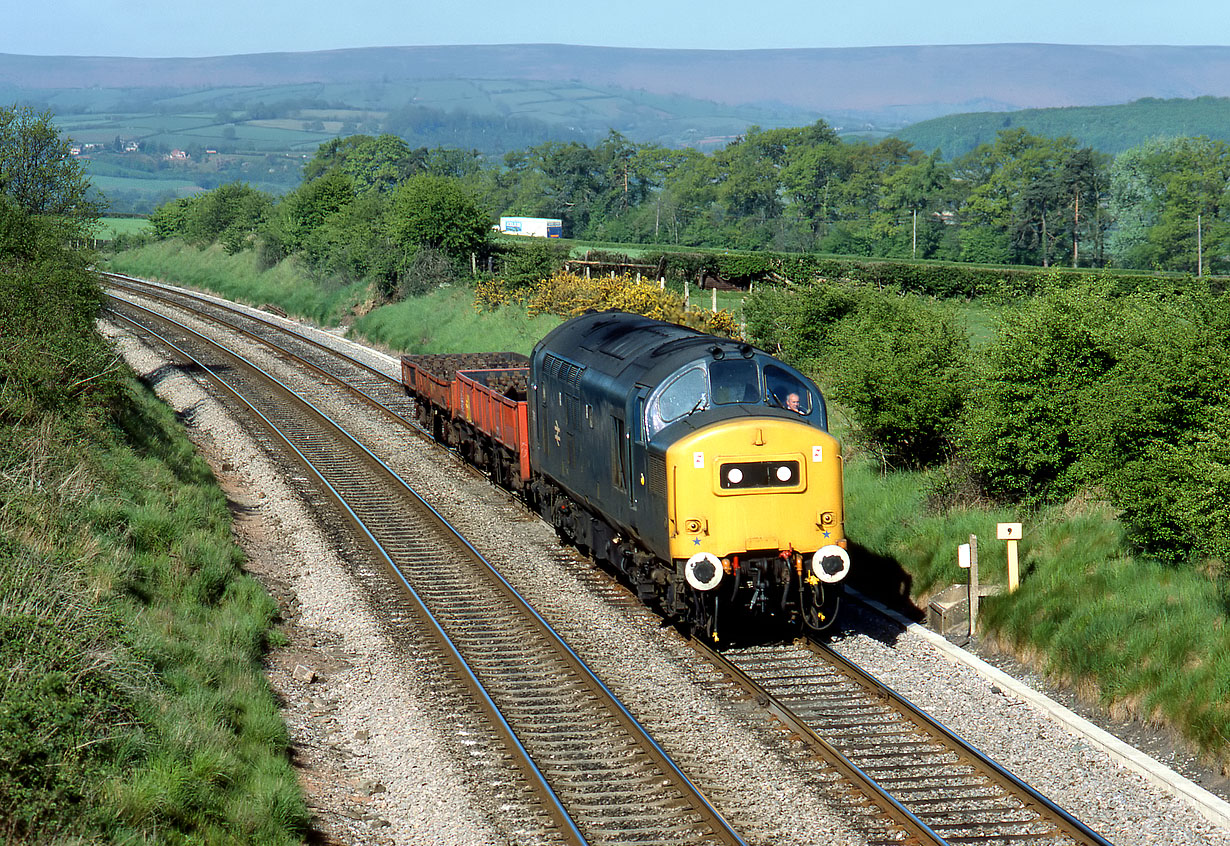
(567, 295)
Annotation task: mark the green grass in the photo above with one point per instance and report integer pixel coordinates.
(239, 277)
(132, 641)
(446, 321)
(1138, 637)
(112, 226)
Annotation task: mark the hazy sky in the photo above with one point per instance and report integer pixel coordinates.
(223, 27)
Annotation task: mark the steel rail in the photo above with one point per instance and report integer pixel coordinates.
(524, 761)
(886, 802)
(167, 294)
(332, 376)
(1028, 795)
(1062, 825)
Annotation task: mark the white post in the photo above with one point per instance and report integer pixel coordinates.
(714, 307)
(973, 585)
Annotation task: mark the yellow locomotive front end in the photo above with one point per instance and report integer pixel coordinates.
(755, 516)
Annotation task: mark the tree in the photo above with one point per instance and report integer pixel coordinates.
(1163, 192)
(918, 189)
(372, 163)
(38, 173)
(434, 211)
(1029, 191)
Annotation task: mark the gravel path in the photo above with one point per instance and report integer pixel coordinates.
(382, 763)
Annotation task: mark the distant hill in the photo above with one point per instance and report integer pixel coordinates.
(876, 87)
(1108, 129)
(152, 129)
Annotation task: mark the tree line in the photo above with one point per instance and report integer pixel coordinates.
(1024, 199)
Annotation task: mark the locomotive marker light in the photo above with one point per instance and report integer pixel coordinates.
(1011, 532)
(830, 564)
(703, 571)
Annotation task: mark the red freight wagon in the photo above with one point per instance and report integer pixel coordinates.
(424, 385)
(475, 402)
(480, 397)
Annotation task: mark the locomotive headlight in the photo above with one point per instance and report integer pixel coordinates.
(703, 571)
(783, 473)
(734, 475)
(830, 564)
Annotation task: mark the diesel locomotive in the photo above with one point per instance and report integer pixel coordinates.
(698, 467)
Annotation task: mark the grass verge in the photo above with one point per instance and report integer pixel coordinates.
(1140, 638)
(133, 706)
(239, 277)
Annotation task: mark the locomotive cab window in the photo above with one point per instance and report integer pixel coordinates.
(784, 390)
(686, 393)
(735, 380)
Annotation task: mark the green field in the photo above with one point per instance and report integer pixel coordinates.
(112, 226)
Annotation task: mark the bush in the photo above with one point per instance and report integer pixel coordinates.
(524, 265)
(230, 213)
(1088, 390)
(437, 212)
(896, 362)
(901, 370)
(801, 325)
(427, 270)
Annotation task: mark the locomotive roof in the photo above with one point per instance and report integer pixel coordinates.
(631, 346)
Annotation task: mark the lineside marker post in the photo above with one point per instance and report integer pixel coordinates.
(1011, 532)
(967, 559)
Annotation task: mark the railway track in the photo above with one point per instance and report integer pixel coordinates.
(378, 389)
(599, 776)
(939, 788)
(927, 787)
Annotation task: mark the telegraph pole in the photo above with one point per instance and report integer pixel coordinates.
(1199, 246)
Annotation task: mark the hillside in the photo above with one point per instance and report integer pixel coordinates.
(257, 118)
(876, 85)
(1108, 129)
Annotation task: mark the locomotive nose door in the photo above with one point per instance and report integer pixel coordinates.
(636, 447)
